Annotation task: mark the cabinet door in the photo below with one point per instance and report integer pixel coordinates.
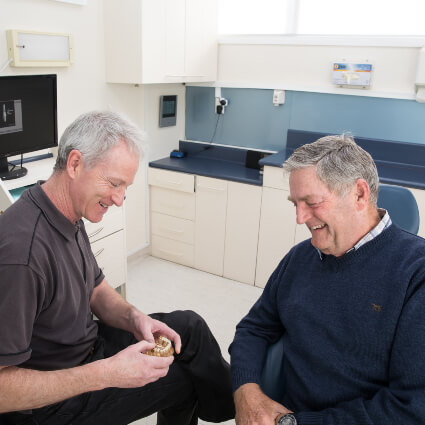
(175, 22)
(210, 224)
(201, 40)
(277, 229)
(420, 199)
(242, 223)
(301, 233)
(109, 253)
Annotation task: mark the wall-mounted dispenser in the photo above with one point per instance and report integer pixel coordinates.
(420, 77)
(29, 48)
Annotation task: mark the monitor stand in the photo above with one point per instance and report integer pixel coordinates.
(11, 171)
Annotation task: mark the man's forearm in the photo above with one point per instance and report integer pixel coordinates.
(111, 308)
(23, 389)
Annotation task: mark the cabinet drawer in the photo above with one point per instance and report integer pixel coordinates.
(112, 221)
(174, 228)
(175, 251)
(276, 178)
(109, 253)
(171, 202)
(171, 180)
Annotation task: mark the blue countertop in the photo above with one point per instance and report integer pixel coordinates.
(215, 161)
(398, 163)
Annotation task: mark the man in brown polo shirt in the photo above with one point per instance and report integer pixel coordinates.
(58, 365)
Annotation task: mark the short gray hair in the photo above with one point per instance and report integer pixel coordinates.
(94, 134)
(339, 163)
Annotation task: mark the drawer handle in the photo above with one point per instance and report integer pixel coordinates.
(95, 232)
(214, 189)
(170, 253)
(99, 252)
(166, 229)
(164, 204)
(172, 182)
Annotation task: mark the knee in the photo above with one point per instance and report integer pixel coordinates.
(190, 319)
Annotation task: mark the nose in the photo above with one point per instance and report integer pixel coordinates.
(118, 197)
(303, 213)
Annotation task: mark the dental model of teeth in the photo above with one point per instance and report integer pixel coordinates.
(163, 348)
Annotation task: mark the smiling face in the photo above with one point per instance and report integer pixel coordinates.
(336, 223)
(94, 190)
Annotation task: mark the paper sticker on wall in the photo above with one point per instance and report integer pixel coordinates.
(352, 74)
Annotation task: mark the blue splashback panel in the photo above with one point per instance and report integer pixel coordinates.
(252, 121)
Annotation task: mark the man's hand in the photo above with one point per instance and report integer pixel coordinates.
(146, 328)
(253, 407)
(130, 368)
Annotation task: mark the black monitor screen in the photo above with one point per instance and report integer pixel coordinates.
(28, 113)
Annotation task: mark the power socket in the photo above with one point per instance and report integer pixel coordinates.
(220, 105)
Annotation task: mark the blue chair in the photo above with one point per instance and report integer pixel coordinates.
(403, 209)
(272, 380)
(401, 205)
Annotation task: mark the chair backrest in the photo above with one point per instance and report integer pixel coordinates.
(272, 382)
(401, 205)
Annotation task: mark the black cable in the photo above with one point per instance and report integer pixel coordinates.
(215, 130)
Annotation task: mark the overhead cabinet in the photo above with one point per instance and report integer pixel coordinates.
(160, 41)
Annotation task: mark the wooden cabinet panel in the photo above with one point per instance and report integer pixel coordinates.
(160, 41)
(171, 180)
(112, 221)
(174, 228)
(171, 202)
(420, 199)
(114, 266)
(276, 178)
(175, 251)
(242, 224)
(210, 224)
(276, 236)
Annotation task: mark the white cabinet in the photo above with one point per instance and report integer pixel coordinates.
(160, 41)
(242, 223)
(213, 227)
(277, 229)
(211, 206)
(107, 239)
(420, 199)
(172, 205)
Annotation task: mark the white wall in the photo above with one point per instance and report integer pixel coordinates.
(309, 68)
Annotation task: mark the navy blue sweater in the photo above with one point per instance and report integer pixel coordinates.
(353, 329)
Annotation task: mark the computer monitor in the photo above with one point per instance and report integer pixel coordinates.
(28, 118)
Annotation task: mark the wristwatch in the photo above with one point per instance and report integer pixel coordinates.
(287, 419)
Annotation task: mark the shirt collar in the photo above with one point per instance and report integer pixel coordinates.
(383, 224)
(56, 219)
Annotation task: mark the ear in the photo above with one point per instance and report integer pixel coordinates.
(74, 163)
(362, 194)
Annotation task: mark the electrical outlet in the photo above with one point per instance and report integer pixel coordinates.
(220, 105)
(278, 97)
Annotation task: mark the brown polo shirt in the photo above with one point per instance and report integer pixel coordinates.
(47, 276)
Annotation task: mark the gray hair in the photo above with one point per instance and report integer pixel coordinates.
(94, 134)
(339, 162)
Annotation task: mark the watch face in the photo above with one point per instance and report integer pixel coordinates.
(287, 420)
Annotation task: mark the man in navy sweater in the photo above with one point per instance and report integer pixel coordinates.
(349, 304)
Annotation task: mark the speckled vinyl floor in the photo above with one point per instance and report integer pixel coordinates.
(157, 285)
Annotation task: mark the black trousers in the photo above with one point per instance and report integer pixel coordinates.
(198, 384)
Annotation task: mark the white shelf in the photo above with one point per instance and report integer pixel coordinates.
(37, 170)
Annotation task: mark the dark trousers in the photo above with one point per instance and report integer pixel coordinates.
(197, 385)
